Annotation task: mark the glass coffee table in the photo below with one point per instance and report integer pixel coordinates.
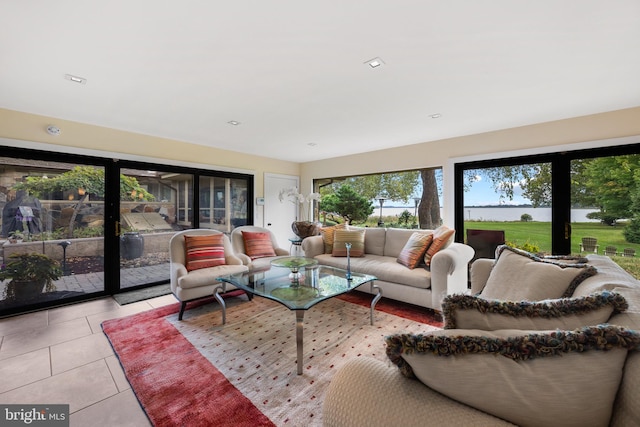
(299, 283)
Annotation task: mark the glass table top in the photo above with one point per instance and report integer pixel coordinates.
(297, 290)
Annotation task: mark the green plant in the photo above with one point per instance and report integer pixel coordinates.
(525, 217)
(526, 246)
(30, 267)
(16, 235)
(405, 217)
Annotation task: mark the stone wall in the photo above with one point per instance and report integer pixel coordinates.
(92, 246)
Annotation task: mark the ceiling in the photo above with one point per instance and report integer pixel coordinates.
(293, 72)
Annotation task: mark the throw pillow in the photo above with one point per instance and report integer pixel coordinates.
(327, 236)
(355, 237)
(442, 237)
(414, 249)
(257, 244)
(472, 312)
(518, 275)
(544, 378)
(204, 251)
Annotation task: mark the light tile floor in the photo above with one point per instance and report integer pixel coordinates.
(61, 355)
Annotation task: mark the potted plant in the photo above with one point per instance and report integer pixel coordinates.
(29, 275)
(302, 228)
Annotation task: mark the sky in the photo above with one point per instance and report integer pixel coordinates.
(483, 193)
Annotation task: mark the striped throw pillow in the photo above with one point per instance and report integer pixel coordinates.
(328, 234)
(442, 237)
(355, 237)
(413, 251)
(258, 244)
(204, 251)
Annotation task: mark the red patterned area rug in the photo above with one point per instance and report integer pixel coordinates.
(198, 372)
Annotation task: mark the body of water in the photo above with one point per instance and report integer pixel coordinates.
(498, 214)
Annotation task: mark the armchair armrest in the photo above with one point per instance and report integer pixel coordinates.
(450, 272)
(233, 259)
(244, 258)
(313, 246)
(177, 271)
(281, 251)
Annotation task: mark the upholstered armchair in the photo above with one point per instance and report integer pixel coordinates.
(197, 257)
(256, 246)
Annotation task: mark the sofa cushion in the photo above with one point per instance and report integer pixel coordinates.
(609, 276)
(395, 240)
(354, 237)
(542, 378)
(258, 244)
(374, 239)
(518, 275)
(327, 236)
(385, 268)
(442, 237)
(472, 312)
(204, 251)
(413, 251)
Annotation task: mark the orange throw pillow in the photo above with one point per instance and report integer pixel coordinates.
(442, 237)
(258, 244)
(414, 249)
(204, 251)
(328, 235)
(355, 237)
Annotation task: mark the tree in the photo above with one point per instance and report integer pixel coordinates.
(614, 183)
(87, 181)
(347, 203)
(429, 207)
(405, 217)
(534, 179)
(398, 186)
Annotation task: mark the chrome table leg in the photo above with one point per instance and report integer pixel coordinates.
(299, 325)
(375, 299)
(216, 293)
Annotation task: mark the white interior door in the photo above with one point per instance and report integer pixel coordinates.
(278, 216)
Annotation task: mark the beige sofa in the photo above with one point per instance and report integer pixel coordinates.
(373, 393)
(447, 274)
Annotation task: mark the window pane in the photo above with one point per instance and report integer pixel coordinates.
(46, 211)
(153, 205)
(514, 201)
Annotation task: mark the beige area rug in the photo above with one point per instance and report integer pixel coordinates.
(256, 350)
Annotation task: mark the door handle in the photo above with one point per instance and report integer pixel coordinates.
(268, 224)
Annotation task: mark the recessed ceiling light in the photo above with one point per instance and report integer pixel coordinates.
(75, 79)
(436, 116)
(233, 122)
(375, 62)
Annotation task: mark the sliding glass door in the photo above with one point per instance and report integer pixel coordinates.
(53, 231)
(154, 204)
(555, 200)
(100, 226)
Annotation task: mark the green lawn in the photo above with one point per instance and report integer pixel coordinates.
(539, 234)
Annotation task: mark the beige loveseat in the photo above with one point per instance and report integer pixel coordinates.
(373, 393)
(447, 274)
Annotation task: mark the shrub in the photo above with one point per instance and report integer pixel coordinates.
(525, 217)
(526, 246)
(632, 231)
